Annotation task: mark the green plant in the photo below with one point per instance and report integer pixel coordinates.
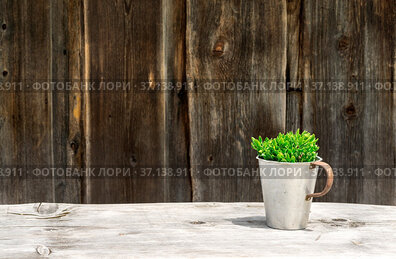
(289, 147)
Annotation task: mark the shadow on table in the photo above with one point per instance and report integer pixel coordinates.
(252, 222)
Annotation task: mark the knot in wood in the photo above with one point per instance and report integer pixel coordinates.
(43, 250)
(74, 146)
(349, 111)
(343, 44)
(218, 49)
(46, 208)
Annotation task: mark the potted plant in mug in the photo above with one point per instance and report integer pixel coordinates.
(288, 170)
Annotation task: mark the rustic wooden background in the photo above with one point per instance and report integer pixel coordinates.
(193, 41)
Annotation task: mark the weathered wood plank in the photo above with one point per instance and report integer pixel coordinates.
(231, 41)
(191, 230)
(67, 146)
(135, 41)
(36, 120)
(173, 70)
(227, 41)
(378, 129)
(76, 110)
(25, 131)
(294, 98)
(58, 98)
(353, 42)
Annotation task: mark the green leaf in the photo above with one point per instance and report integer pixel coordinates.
(289, 147)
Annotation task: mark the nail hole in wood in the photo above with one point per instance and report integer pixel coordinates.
(64, 52)
(133, 160)
(4, 26)
(5, 73)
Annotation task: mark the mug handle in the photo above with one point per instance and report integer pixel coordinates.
(329, 182)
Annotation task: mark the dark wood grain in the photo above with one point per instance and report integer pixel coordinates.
(136, 41)
(229, 41)
(346, 42)
(25, 131)
(294, 97)
(189, 128)
(67, 136)
(38, 45)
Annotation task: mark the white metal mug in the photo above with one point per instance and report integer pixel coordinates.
(288, 191)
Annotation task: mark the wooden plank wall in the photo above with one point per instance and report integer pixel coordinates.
(135, 41)
(293, 41)
(347, 42)
(26, 124)
(222, 122)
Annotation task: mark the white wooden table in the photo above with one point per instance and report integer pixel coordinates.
(191, 230)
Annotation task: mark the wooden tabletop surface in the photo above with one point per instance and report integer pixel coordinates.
(191, 230)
